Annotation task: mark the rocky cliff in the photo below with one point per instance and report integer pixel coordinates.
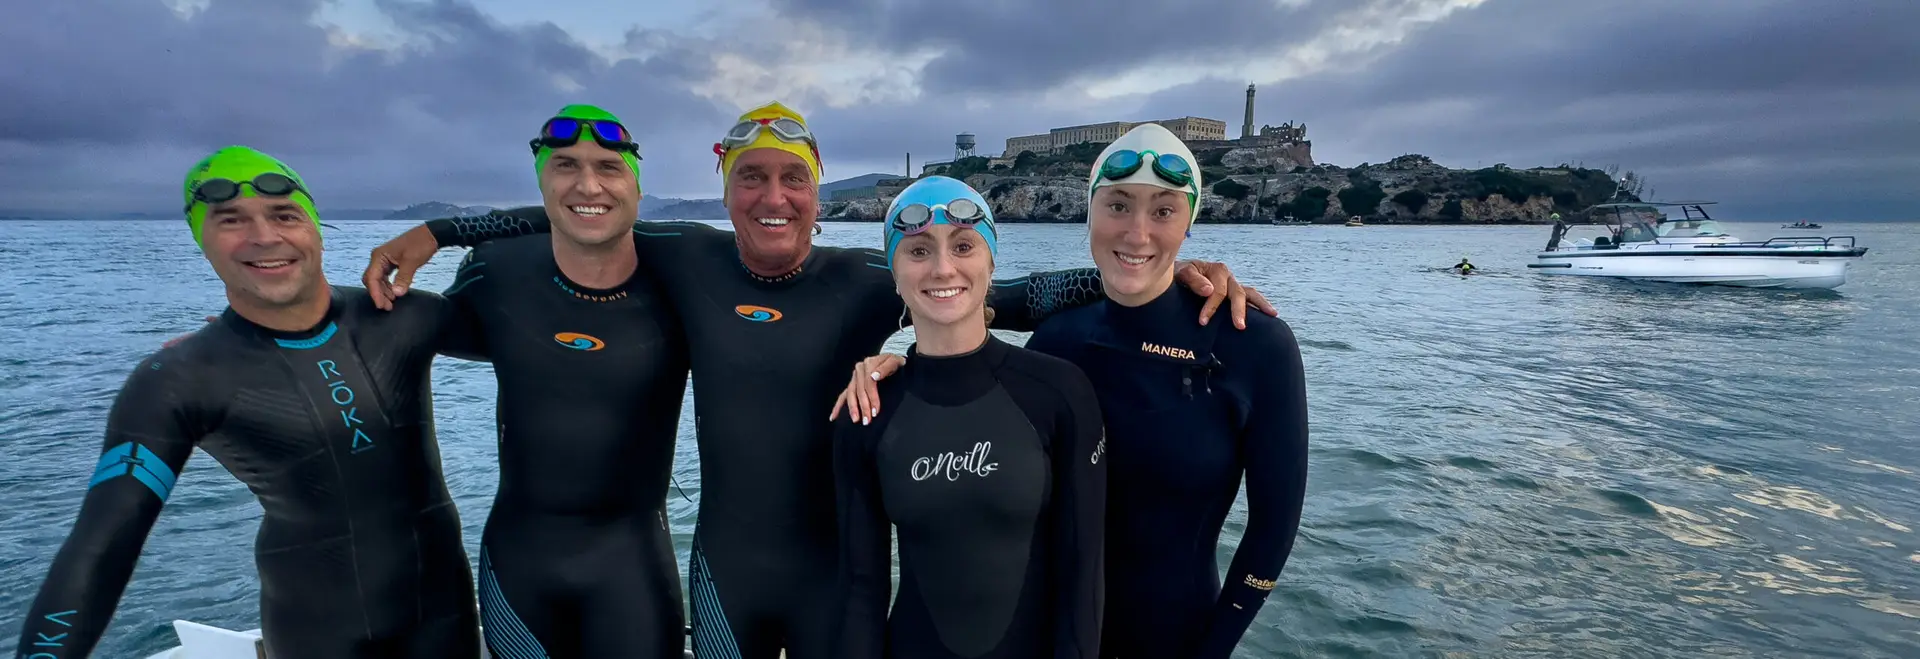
(1257, 185)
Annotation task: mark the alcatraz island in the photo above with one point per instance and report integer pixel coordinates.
(1263, 176)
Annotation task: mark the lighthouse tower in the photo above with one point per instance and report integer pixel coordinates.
(1246, 129)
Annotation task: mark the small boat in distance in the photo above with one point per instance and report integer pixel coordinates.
(1640, 242)
(1803, 224)
(1355, 222)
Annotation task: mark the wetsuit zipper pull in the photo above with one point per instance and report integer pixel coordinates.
(1186, 383)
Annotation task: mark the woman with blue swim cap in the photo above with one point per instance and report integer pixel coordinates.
(989, 463)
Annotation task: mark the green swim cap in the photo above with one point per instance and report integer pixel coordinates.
(586, 113)
(239, 164)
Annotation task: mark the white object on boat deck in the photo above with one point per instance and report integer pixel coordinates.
(199, 641)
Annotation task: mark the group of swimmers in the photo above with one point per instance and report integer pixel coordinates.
(1062, 499)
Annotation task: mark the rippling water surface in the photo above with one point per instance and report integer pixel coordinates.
(1507, 464)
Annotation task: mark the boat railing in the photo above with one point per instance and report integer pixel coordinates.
(1785, 242)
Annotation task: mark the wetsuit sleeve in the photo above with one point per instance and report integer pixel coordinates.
(866, 543)
(1020, 304)
(149, 437)
(497, 225)
(1080, 525)
(1275, 444)
(461, 335)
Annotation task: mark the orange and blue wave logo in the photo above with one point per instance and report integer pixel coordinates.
(758, 314)
(579, 341)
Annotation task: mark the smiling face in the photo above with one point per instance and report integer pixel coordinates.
(943, 274)
(1136, 231)
(591, 195)
(265, 249)
(773, 201)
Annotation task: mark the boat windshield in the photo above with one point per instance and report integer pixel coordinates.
(1637, 232)
(1689, 229)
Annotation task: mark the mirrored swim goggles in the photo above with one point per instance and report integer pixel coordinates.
(562, 132)
(915, 218)
(1169, 167)
(219, 190)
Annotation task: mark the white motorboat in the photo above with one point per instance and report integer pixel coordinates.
(1640, 242)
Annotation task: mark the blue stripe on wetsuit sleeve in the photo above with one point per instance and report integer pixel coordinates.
(130, 459)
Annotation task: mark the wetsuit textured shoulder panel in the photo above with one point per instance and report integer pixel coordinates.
(989, 466)
(576, 559)
(1189, 409)
(359, 550)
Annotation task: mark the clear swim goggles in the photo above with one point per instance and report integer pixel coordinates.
(915, 218)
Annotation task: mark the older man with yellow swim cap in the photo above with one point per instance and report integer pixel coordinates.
(318, 402)
(772, 323)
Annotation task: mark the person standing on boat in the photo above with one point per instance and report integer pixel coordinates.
(1188, 410)
(989, 465)
(322, 406)
(771, 321)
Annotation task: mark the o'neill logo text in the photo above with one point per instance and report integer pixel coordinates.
(1164, 351)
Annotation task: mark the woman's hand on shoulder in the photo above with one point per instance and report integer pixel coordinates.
(862, 397)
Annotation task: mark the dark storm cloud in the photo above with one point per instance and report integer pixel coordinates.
(1777, 109)
(1028, 46)
(1782, 108)
(145, 92)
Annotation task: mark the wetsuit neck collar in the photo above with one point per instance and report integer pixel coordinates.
(589, 293)
(252, 329)
(955, 379)
(805, 262)
(1155, 316)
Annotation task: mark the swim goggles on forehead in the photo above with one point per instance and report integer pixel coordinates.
(915, 218)
(219, 190)
(1169, 167)
(787, 129)
(561, 132)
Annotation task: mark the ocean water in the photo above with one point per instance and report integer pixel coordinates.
(1508, 464)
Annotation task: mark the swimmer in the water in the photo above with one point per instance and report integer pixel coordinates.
(576, 559)
(989, 464)
(321, 405)
(1188, 411)
(1463, 267)
(772, 321)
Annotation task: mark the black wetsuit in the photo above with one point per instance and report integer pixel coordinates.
(769, 357)
(576, 559)
(990, 463)
(359, 551)
(1188, 409)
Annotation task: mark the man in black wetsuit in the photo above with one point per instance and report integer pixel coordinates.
(772, 323)
(576, 559)
(320, 404)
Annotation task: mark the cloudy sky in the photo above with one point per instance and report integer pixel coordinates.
(1777, 109)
